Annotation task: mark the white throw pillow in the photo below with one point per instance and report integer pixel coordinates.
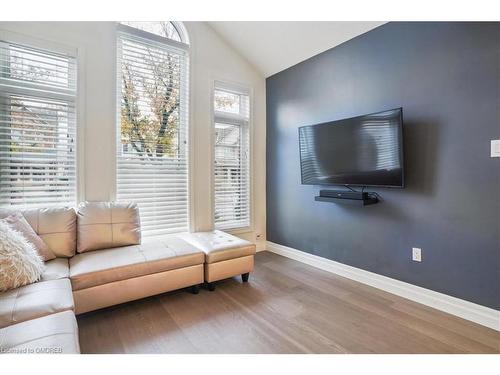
(20, 263)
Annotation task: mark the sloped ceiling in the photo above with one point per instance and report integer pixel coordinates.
(276, 45)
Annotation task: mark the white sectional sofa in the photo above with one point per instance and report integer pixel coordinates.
(102, 261)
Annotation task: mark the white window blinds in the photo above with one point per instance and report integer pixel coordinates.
(37, 127)
(152, 157)
(231, 161)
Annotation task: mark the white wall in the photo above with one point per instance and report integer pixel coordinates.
(211, 59)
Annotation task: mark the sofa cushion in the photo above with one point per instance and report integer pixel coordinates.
(56, 227)
(56, 269)
(34, 301)
(219, 246)
(19, 223)
(104, 225)
(55, 333)
(154, 255)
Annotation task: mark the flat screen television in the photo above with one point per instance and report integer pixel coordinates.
(359, 151)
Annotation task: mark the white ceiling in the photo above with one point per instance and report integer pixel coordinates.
(274, 46)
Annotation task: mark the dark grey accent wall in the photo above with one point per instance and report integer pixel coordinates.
(446, 77)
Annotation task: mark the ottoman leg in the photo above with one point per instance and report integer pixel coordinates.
(194, 289)
(211, 287)
(245, 276)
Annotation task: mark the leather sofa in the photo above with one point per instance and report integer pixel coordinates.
(102, 261)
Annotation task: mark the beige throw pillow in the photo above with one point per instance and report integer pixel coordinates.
(19, 223)
(102, 225)
(20, 263)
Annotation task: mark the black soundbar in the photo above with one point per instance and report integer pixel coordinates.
(343, 194)
(363, 198)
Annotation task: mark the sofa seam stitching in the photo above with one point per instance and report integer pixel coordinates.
(111, 223)
(14, 305)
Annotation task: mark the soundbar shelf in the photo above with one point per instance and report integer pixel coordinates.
(358, 199)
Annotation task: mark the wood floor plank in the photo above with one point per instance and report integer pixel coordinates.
(99, 333)
(287, 307)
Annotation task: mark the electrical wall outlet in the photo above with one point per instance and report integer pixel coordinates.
(416, 254)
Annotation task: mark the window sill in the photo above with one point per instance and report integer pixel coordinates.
(238, 230)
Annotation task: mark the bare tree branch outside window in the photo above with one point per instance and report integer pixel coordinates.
(150, 103)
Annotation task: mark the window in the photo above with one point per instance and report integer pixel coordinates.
(37, 127)
(165, 29)
(152, 153)
(231, 161)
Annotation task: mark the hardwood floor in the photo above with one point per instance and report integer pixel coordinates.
(287, 307)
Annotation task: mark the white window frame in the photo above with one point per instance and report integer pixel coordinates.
(217, 82)
(78, 53)
(185, 45)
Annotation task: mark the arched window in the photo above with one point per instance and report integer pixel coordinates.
(152, 121)
(166, 29)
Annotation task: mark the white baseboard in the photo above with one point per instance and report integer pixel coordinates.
(260, 246)
(464, 309)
